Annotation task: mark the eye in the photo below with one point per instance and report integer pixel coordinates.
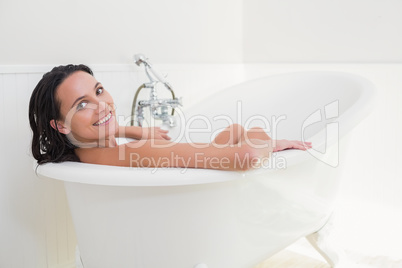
(81, 105)
(99, 90)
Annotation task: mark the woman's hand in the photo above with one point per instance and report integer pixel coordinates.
(280, 145)
(155, 133)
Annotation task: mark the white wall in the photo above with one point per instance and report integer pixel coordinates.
(180, 31)
(109, 32)
(322, 31)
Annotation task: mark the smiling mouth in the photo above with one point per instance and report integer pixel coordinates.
(104, 120)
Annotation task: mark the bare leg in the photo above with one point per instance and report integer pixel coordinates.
(256, 133)
(235, 134)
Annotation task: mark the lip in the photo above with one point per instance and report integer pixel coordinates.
(103, 121)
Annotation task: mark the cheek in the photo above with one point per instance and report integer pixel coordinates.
(81, 120)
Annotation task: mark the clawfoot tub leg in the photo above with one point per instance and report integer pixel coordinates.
(321, 241)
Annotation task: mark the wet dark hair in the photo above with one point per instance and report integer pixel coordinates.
(48, 144)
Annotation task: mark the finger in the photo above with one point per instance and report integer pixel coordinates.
(161, 130)
(299, 145)
(302, 147)
(166, 137)
(306, 144)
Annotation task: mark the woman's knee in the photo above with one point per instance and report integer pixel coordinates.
(236, 127)
(256, 129)
(257, 133)
(230, 135)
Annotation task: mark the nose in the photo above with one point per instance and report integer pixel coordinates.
(102, 106)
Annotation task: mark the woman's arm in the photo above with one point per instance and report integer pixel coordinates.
(162, 153)
(233, 149)
(140, 133)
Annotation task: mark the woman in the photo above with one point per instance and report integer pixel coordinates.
(73, 119)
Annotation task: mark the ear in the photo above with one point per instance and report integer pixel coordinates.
(59, 126)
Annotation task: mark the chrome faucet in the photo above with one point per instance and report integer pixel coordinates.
(159, 108)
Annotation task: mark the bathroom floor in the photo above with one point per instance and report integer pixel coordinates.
(290, 259)
(302, 255)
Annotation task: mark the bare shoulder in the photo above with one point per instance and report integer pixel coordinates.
(100, 156)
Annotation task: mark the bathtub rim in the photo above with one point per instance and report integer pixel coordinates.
(79, 172)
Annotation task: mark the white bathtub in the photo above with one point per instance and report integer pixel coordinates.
(177, 218)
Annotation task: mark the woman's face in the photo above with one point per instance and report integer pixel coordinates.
(87, 110)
